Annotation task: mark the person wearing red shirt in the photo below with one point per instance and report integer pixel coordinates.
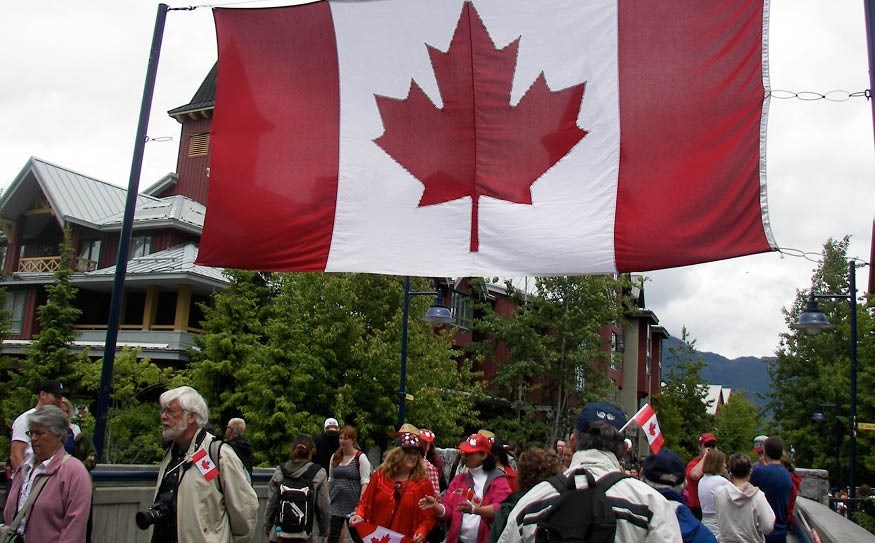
(391, 500)
(695, 472)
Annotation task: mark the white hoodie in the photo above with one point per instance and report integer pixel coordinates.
(743, 514)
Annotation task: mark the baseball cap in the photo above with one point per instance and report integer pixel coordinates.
(52, 386)
(704, 439)
(597, 411)
(426, 435)
(331, 422)
(476, 443)
(666, 467)
(759, 443)
(487, 433)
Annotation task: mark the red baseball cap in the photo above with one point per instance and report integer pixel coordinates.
(704, 439)
(476, 443)
(426, 435)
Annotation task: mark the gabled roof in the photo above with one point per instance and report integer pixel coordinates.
(80, 199)
(72, 195)
(202, 102)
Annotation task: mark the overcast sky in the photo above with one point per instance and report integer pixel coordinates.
(71, 81)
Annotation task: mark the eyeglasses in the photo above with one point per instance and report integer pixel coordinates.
(170, 412)
(34, 433)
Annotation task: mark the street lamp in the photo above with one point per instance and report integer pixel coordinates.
(438, 314)
(812, 320)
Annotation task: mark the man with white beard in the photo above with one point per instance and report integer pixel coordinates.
(213, 502)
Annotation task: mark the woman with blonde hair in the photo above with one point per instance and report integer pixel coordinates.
(349, 473)
(391, 499)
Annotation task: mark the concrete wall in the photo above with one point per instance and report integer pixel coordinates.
(116, 501)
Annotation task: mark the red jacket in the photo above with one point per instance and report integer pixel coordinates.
(495, 491)
(60, 513)
(379, 506)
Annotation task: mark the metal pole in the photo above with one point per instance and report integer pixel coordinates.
(838, 437)
(852, 300)
(402, 391)
(121, 266)
(869, 10)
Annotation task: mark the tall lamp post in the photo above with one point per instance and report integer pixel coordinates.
(819, 418)
(438, 314)
(812, 320)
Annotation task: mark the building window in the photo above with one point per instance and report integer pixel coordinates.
(462, 310)
(15, 306)
(89, 249)
(649, 351)
(140, 246)
(199, 145)
(616, 352)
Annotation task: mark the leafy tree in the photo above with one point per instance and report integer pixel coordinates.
(737, 423)
(133, 432)
(808, 369)
(556, 351)
(287, 352)
(680, 403)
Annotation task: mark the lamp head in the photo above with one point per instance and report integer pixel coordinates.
(438, 314)
(812, 320)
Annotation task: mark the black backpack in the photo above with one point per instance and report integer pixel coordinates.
(579, 515)
(296, 507)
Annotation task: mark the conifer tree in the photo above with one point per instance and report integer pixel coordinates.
(680, 403)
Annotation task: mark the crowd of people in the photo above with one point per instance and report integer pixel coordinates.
(482, 491)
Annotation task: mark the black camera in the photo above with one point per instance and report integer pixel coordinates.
(159, 512)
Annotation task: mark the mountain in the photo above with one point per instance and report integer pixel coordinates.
(746, 373)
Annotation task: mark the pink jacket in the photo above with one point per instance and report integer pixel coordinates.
(496, 490)
(60, 512)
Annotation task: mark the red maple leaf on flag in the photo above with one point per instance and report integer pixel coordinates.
(652, 428)
(205, 464)
(478, 144)
(384, 539)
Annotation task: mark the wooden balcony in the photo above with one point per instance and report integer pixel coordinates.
(50, 264)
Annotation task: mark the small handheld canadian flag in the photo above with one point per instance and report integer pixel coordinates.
(646, 420)
(205, 465)
(374, 533)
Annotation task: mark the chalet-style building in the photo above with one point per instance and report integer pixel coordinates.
(163, 285)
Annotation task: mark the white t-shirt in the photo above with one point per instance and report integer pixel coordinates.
(708, 485)
(471, 522)
(19, 432)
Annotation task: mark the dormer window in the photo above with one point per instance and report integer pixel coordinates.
(140, 246)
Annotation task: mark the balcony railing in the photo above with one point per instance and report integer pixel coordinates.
(50, 264)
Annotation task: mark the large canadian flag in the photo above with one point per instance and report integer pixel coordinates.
(488, 137)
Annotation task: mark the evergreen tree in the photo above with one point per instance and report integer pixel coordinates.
(49, 356)
(809, 369)
(680, 404)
